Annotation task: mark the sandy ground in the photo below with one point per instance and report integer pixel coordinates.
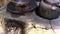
(35, 19)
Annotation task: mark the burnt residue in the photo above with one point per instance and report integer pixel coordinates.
(15, 23)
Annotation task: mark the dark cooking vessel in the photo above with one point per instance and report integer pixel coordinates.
(21, 6)
(48, 9)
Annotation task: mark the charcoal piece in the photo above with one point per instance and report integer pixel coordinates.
(14, 23)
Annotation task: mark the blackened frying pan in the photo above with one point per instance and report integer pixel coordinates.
(21, 6)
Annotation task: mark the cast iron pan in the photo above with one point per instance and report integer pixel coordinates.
(21, 6)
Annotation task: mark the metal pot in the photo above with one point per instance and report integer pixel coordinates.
(48, 9)
(21, 6)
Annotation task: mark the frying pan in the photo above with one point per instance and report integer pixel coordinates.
(21, 6)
